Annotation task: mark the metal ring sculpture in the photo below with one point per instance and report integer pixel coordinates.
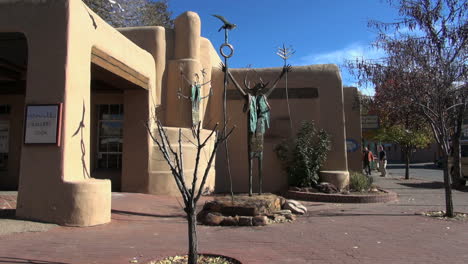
(231, 48)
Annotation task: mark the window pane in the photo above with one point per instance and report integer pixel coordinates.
(464, 150)
(110, 136)
(109, 129)
(102, 161)
(3, 161)
(103, 111)
(113, 160)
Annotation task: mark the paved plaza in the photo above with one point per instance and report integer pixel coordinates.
(146, 227)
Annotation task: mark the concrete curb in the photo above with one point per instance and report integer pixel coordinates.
(388, 196)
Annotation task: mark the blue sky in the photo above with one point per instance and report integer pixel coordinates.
(321, 31)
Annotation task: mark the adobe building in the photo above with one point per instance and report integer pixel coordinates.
(353, 128)
(78, 97)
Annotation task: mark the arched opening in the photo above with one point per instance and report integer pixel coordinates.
(13, 72)
(111, 83)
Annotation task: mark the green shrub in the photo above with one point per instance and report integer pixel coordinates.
(360, 182)
(303, 157)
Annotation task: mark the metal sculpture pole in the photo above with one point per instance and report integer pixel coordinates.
(285, 54)
(226, 26)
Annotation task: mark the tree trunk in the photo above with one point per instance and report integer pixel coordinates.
(192, 233)
(456, 172)
(407, 163)
(448, 189)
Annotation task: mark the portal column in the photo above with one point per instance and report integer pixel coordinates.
(186, 59)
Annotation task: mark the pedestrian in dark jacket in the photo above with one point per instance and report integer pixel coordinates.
(367, 157)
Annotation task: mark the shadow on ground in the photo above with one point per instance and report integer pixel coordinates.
(356, 214)
(120, 212)
(429, 166)
(424, 185)
(21, 260)
(431, 185)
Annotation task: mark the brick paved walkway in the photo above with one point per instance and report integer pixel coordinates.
(149, 227)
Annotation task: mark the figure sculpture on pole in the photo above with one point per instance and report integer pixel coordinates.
(258, 120)
(195, 94)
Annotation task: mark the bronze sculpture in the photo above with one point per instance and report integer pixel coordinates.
(195, 96)
(258, 120)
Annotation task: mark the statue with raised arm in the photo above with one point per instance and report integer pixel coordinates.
(258, 119)
(195, 94)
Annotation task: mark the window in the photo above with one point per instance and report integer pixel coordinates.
(110, 136)
(5, 109)
(4, 142)
(464, 150)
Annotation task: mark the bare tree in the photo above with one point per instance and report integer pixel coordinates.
(425, 64)
(132, 13)
(191, 193)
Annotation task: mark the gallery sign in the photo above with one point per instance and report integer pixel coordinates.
(42, 125)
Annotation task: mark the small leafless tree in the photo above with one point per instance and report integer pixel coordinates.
(425, 66)
(191, 192)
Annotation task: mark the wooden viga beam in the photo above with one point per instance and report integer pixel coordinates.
(119, 68)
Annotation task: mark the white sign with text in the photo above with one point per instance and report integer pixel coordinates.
(41, 124)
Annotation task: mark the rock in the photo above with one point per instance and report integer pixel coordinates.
(327, 188)
(239, 210)
(229, 221)
(282, 201)
(212, 206)
(213, 219)
(295, 207)
(280, 218)
(283, 212)
(276, 204)
(374, 189)
(290, 217)
(260, 220)
(201, 216)
(245, 221)
(270, 216)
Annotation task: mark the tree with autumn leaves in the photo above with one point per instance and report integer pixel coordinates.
(409, 140)
(422, 79)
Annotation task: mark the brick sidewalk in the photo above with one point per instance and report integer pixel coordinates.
(149, 227)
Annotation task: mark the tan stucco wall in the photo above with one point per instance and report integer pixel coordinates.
(326, 111)
(61, 35)
(172, 49)
(353, 126)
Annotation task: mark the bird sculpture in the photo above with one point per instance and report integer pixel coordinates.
(227, 25)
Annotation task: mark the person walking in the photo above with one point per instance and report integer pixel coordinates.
(366, 159)
(382, 161)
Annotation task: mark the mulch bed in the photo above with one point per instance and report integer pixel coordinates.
(202, 259)
(441, 215)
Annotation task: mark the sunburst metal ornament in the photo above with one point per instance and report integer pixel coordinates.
(285, 54)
